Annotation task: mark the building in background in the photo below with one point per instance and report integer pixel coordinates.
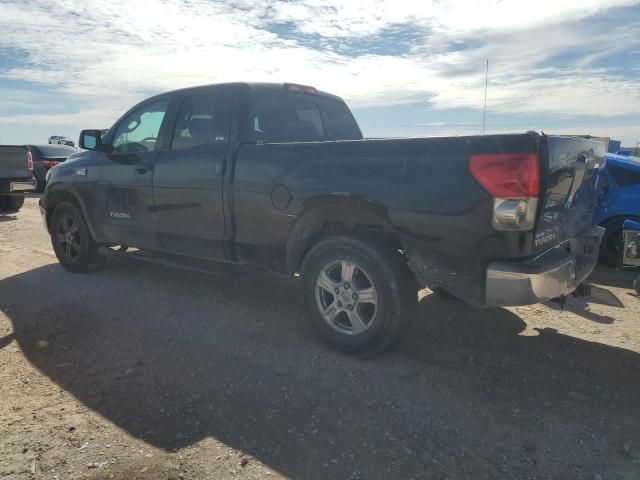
(610, 145)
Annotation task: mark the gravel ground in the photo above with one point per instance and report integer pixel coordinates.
(138, 372)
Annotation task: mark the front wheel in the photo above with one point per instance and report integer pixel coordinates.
(359, 295)
(71, 240)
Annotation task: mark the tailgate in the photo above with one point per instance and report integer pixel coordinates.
(13, 162)
(568, 198)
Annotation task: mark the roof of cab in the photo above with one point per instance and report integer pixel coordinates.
(255, 86)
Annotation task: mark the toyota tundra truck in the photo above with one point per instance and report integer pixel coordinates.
(279, 177)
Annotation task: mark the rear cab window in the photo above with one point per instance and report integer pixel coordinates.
(280, 117)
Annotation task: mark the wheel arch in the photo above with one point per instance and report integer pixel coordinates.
(58, 196)
(618, 218)
(333, 214)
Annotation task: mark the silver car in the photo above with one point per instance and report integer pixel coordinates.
(61, 140)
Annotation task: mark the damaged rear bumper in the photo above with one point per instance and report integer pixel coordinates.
(555, 273)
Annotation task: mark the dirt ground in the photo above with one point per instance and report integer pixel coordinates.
(138, 372)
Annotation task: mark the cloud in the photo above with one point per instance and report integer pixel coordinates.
(353, 18)
(104, 56)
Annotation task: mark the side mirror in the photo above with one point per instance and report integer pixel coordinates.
(91, 140)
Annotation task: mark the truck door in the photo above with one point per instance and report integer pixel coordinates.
(119, 183)
(188, 178)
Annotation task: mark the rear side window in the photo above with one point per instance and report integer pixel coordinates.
(301, 118)
(293, 121)
(202, 120)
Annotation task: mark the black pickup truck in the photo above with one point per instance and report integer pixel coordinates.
(16, 176)
(279, 177)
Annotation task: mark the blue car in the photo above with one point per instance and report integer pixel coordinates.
(619, 184)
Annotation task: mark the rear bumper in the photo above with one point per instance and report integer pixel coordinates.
(555, 273)
(17, 186)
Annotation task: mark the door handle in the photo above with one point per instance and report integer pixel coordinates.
(144, 168)
(219, 168)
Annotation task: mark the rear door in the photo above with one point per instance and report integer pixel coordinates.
(569, 197)
(188, 178)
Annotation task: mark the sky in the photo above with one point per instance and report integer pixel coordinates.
(407, 68)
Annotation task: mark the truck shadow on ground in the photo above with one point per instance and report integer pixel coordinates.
(175, 357)
(583, 306)
(620, 278)
(6, 340)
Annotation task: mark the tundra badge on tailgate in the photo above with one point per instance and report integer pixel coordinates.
(544, 237)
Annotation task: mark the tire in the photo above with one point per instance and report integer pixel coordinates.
(40, 184)
(11, 203)
(71, 240)
(357, 269)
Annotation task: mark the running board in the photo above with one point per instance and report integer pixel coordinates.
(176, 261)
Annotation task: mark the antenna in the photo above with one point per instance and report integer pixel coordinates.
(486, 84)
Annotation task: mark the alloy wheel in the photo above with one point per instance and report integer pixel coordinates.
(68, 238)
(346, 297)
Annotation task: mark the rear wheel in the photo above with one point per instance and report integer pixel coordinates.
(72, 242)
(11, 203)
(359, 296)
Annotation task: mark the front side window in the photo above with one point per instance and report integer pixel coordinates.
(202, 120)
(138, 132)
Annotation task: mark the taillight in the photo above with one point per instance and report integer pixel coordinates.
(513, 180)
(507, 174)
(49, 163)
(29, 160)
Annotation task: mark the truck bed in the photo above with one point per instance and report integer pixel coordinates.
(420, 188)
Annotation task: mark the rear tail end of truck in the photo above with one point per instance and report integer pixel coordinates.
(550, 194)
(16, 176)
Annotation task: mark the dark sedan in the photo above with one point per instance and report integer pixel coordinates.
(45, 157)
